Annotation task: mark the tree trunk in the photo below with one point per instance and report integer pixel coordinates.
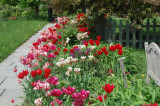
(36, 10)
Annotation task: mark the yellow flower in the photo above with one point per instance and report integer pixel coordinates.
(143, 75)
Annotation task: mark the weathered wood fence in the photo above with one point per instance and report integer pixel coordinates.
(127, 35)
(153, 62)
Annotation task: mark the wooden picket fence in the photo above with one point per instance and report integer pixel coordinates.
(128, 35)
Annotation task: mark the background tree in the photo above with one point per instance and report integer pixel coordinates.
(135, 10)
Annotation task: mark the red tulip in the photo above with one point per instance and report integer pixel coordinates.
(88, 32)
(39, 71)
(71, 51)
(155, 104)
(94, 54)
(99, 52)
(33, 73)
(47, 71)
(56, 52)
(91, 41)
(59, 36)
(106, 52)
(46, 75)
(25, 73)
(110, 71)
(98, 37)
(12, 100)
(119, 47)
(112, 48)
(100, 98)
(103, 49)
(108, 88)
(65, 49)
(120, 52)
(86, 44)
(54, 41)
(20, 75)
(97, 42)
(44, 40)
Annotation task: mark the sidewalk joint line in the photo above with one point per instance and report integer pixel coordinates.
(3, 80)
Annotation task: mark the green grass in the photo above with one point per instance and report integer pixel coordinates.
(14, 33)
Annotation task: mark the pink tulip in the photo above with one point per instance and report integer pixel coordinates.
(38, 101)
(56, 92)
(14, 69)
(58, 101)
(53, 80)
(69, 90)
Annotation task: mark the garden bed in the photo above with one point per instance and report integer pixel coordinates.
(69, 66)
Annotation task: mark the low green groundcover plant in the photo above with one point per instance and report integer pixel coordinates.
(84, 72)
(15, 32)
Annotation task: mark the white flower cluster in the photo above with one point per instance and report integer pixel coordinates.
(82, 36)
(90, 57)
(73, 21)
(63, 61)
(69, 69)
(81, 46)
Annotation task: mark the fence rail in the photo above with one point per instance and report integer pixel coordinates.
(128, 35)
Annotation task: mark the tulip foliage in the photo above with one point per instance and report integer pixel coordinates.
(83, 73)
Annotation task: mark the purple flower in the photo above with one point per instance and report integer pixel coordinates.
(59, 33)
(86, 53)
(88, 50)
(79, 53)
(76, 49)
(74, 56)
(83, 41)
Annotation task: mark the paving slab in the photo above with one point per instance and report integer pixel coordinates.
(8, 83)
(2, 78)
(2, 91)
(5, 99)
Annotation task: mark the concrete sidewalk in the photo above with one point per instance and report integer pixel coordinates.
(9, 88)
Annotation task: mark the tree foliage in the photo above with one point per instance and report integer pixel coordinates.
(135, 10)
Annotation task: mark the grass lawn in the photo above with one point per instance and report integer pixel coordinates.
(14, 33)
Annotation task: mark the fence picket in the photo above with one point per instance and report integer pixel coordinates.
(147, 31)
(133, 37)
(114, 31)
(140, 38)
(110, 31)
(120, 32)
(107, 29)
(127, 33)
(154, 30)
(104, 33)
